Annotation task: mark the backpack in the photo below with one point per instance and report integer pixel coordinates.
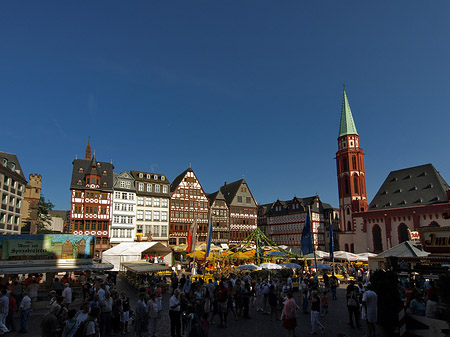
(206, 292)
(352, 301)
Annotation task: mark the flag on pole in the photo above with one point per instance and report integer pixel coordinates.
(208, 246)
(306, 241)
(192, 234)
(331, 242)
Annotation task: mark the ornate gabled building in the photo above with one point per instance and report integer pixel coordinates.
(285, 221)
(123, 226)
(188, 202)
(12, 187)
(220, 218)
(152, 206)
(409, 199)
(242, 207)
(91, 190)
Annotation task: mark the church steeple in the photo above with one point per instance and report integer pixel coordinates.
(350, 169)
(87, 155)
(347, 124)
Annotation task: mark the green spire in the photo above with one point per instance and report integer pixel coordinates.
(347, 124)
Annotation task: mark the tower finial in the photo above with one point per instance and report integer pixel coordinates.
(190, 165)
(87, 155)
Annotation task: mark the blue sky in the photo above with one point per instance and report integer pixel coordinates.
(236, 88)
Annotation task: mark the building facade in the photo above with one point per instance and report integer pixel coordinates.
(188, 202)
(30, 204)
(12, 187)
(152, 206)
(243, 209)
(91, 190)
(123, 225)
(220, 218)
(286, 220)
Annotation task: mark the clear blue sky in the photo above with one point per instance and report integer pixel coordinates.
(236, 88)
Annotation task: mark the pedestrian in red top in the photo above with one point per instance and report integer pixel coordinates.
(289, 315)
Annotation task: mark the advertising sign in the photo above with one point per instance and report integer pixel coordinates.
(435, 239)
(46, 247)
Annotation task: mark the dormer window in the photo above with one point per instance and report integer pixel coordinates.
(155, 177)
(105, 184)
(79, 182)
(80, 170)
(5, 162)
(13, 166)
(105, 172)
(163, 178)
(141, 175)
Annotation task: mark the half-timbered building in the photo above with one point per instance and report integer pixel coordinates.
(242, 209)
(91, 199)
(220, 218)
(188, 203)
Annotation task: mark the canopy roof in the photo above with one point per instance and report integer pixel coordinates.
(24, 269)
(137, 248)
(404, 249)
(143, 267)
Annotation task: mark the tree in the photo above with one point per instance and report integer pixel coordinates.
(43, 216)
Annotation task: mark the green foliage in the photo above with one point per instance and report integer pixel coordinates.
(43, 216)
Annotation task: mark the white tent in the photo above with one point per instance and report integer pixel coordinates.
(134, 251)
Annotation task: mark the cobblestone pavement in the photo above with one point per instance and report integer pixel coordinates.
(259, 325)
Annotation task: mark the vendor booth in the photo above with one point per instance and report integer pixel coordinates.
(136, 251)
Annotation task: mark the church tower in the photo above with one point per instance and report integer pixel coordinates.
(350, 169)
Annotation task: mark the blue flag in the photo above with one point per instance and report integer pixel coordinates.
(208, 246)
(331, 242)
(306, 241)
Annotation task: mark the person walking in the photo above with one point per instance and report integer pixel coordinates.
(153, 309)
(370, 305)
(67, 295)
(125, 315)
(174, 314)
(315, 312)
(353, 304)
(140, 323)
(10, 324)
(49, 323)
(289, 315)
(70, 325)
(273, 302)
(106, 307)
(4, 310)
(24, 309)
(333, 286)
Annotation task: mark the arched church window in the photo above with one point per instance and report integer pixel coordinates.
(377, 243)
(347, 189)
(355, 184)
(346, 247)
(403, 234)
(352, 248)
(354, 162)
(344, 164)
(349, 226)
(348, 211)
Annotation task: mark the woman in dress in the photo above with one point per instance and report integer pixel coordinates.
(289, 315)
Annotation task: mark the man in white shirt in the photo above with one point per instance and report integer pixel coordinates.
(370, 305)
(4, 310)
(174, 314)
(24, 308)
(67, 295)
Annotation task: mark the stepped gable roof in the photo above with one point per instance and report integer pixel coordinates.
(102, 169)
(413, 186)
(347, 126)
(404, 249)
(229, 190)
(11, 159)
(178, 180)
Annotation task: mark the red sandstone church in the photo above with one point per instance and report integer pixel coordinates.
(408, 199)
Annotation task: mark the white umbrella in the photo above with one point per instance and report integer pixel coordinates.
(365, 256)
(290, 265)
(345, 256)
(248, 267)
(270, 266)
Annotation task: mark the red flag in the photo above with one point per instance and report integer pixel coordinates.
(191, 237)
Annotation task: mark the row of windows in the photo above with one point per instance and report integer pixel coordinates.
(17, 202)
(90, 210)
(154, 230)
(148, 176)
(12, 183)
(118, 219)
(124, 207)
(191, 192)
(190, 203)
(90, 226)
(9, 219)
(152, 187)
(148, 215)
(247, 199)
(123, 196)
(185, 227)
(91, 195)
(121, 233)
(155, 202)
(189, 215)
(238, 210)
